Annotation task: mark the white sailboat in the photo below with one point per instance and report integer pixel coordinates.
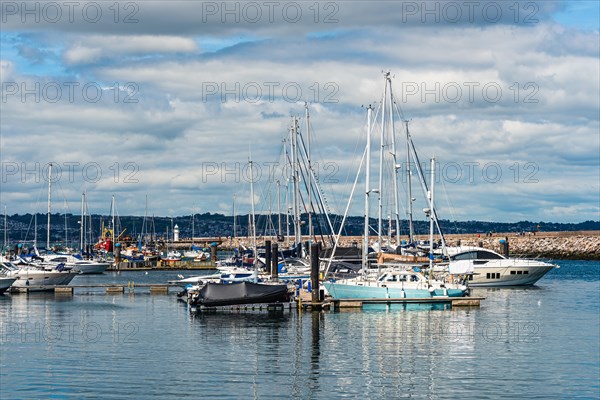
(398, 280)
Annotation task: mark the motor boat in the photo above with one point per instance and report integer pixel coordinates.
(37, 277)
(488, 268)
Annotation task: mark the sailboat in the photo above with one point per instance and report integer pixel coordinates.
(37, 275)
(397, 280)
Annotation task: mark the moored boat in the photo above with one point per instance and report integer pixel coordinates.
(488, 268)
(394, 284)
(37, 278)
(218, 294)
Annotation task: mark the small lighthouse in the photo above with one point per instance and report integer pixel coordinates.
(176, 234)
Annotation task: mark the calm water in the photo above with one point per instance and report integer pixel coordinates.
(536, 343)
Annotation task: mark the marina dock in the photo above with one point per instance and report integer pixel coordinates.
(453, 301)
(111, 288)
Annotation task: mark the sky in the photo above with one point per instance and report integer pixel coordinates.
(162, 104)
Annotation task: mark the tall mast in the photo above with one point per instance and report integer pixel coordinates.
(144, 227)
(6, 230)
(34, 228)
(253, 215)
(297, 226)
(395, 166)
(112, 213)
(234, 220)
(49, 200)
(431, 214)
(365, 251)
(279, 208)
(66, 233)
(411, 229)
(380, 188)
(287, 213)
(81, 223)
(310, 229)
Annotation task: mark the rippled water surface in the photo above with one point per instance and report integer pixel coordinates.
(539, 342)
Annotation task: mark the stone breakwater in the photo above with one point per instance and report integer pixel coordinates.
(583, 245)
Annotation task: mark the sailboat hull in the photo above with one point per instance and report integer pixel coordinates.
(344, 291)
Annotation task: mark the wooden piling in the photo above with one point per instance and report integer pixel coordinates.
(213, 252)
(275, 263)
(314, 272)
(267, 254)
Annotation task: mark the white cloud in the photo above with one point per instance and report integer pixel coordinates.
(179, 127)
(93, 48)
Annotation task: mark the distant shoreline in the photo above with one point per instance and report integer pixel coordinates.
(566, 245)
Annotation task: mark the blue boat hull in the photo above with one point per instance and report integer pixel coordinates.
(342, 291)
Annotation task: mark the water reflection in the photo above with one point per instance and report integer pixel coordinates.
(512, 347)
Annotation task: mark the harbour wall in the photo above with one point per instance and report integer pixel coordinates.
(577, 245)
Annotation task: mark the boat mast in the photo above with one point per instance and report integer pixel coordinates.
(278, 209)
(365, 251)
(411, 229)
(234, 220)
(144, 227)
(4, 243)
(49, 208)
(66, 232)
(297, 226)
(82, 223)
(380, 187)
(253, 215)
(395, 166)
(310, 228)
(431, 214)
(112, 213)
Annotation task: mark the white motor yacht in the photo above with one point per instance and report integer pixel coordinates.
(488, 268)
(37, 277)
(77, 264)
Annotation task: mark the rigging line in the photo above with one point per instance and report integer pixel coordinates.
(450, 205)
(337, 237)
(322, 201)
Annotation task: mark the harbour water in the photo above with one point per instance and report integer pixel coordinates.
(541, 342)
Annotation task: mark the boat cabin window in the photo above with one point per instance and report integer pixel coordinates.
(477, 255)
(488, 255)
(469, 255)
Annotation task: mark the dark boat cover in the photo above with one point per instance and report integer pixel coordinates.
(219, 294)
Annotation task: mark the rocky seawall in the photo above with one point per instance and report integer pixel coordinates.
(579, 245)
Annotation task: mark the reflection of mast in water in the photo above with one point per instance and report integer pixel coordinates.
(315, 353)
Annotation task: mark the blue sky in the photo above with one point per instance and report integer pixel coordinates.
(164, 100)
